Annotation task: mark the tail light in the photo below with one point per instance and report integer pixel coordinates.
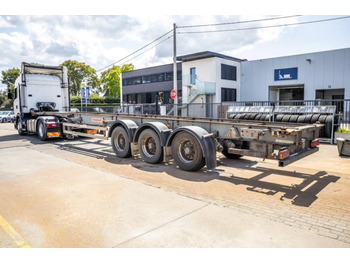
(51, 125)
(91, 131)
(315, 143)
(283, 154)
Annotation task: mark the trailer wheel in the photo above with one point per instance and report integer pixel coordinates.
(42, 131)
(121, 142)
(150, 147)
(229, 155)
(187, 152)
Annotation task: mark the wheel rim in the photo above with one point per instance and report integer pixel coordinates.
(41, 130)
(186, 151)
(119, 142)
(149, 146)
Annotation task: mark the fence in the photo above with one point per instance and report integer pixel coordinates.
(218, 110)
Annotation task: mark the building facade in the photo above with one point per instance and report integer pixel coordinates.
(208, 78)
(321, 75)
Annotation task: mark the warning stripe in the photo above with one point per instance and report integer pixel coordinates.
(13, 233)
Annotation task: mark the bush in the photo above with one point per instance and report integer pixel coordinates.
(343, 130)
(94, 99)
(95, 104)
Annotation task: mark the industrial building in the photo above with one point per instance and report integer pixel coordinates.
(210, 78)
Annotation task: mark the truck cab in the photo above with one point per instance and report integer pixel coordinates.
(39, 88)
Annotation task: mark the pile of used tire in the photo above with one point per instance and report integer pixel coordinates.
(326, 131)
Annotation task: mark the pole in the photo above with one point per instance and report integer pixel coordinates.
(175, 71)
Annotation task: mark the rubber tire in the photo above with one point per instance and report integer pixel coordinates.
(322, 120)
(301, 119)
(228, 155)
(308, 119)
(238, 116)
(122, 153)
(198, 162)
(242, 115)
(4, 120)
(279, 118)
(232, 116)
(328, 126)
(267, 118)
(158, 156)
(20, 131)
(252, 116)
(293, 118)
(315, 118)
(42, 136)
(286, 118)
(258, 116)
(247, 116)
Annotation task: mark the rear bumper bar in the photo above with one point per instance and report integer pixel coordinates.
(297, 156)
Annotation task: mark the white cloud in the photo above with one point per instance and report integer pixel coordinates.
(102, 40)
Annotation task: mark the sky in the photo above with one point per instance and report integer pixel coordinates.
(100, 40)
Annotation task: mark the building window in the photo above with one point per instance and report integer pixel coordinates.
(228, 72)
(228, 94)
(193, 75)
(146, 79)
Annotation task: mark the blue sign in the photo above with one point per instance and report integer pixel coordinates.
(87, 94)
(83, 95)
(286, 74)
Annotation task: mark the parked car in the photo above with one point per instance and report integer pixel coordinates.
(7, 116)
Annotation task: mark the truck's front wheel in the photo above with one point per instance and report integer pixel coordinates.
(42, 131)
(19, 128)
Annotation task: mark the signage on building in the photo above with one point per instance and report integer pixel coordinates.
(286, 74)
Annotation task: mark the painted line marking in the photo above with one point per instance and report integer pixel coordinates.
(13, 233)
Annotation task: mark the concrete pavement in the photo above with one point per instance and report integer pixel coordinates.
(78, 194)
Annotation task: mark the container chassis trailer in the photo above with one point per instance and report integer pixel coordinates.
(192, 142)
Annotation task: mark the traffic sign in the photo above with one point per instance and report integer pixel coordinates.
(173, 94)
(83, 95)
(87, 94)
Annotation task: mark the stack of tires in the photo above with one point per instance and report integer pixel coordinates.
(251, 116)
(326, 131)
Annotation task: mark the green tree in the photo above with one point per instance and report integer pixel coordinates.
(79, 72)
(9, 77)
(110, 79)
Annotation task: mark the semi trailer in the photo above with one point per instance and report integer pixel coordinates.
(42, 107)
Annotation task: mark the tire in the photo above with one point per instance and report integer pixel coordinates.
(19, 128)
(328, 126)
(4, 120)
(308, 119)
(237, 116)
(120, 141)
(258, 116)
(242, 116)
(293, 118)
(286, 118)
(42, 131)
(232, 116)
(252, 116)
(315, 118)
(150, 147)
(301, 119)
(246, 116)
(278, 118)
(322, 120)
(267, 118)
(193, 159)
(228, 155)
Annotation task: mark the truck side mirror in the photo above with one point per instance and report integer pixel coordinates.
(9, 95)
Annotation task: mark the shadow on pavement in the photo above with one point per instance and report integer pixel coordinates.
(303, 194)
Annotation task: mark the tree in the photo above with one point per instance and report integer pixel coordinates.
(9, 77)
(79, 72)
(110, 79)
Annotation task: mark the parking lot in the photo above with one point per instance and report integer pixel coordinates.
(77, 193)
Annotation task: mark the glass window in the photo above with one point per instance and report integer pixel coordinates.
(169, 76)
(146, 79)
(228, 72)
(193, 75)
(228, 94)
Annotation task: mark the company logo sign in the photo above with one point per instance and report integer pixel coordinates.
(286, 74)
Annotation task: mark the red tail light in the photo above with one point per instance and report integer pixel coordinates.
(51, 125)
(283, 154)
(315, 143)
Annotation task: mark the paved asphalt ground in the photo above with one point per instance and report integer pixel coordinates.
(77, 193)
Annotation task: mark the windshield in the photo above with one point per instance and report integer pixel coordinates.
(3, 113)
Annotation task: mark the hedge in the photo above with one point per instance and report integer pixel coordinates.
(106, 99)
(95, 104)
